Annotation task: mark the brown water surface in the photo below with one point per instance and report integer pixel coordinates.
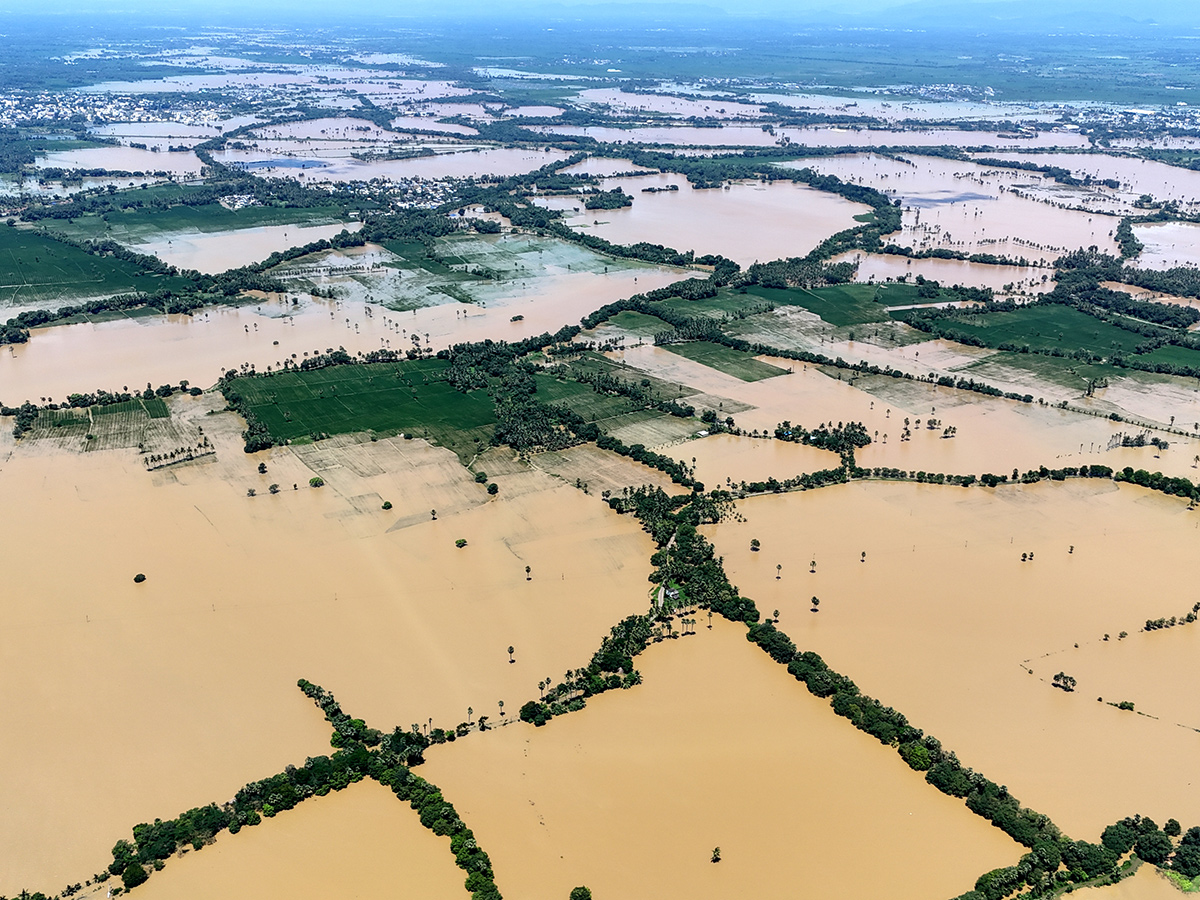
(359, 842)
(943, 619)
(718, 747)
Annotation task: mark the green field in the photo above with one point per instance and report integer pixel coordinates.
(725, 359)
(594, 407)
(838, 304)
(142, 225)
(1176, 356)
(1044, 328)
(38, 269)
(638, 324)
(385, 398)
(1054, 370)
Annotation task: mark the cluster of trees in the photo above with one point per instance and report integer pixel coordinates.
(439, 816)
(155, 842)
(614, 199)
(1157, 481)
(642, 395)
(610, 668)
(1127, 240)
(841, 439)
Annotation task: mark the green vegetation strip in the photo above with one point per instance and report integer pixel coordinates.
(723, 359)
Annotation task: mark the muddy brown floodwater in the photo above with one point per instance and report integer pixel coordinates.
(943, 621)
(718, 747)
(747, 223)
(359, 842)
(147, 700)
(65, 358)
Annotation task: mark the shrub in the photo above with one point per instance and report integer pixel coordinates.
(387, 504)
(134, 875)
(460, 543)
(316, 481)
(493, 488)
(581, 893)
(139, 578)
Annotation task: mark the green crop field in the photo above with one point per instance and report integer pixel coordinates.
(35, 268)
(1044, 328)
(638, 324)
(140, 225)
(1175, 356)
(385, 398)
(839, 304)
(581, 398)
(725, 359)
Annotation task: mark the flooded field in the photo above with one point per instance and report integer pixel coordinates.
(377, 841)
(220, 251)
(1146, 884)
(953, 556)
(720, 457)
(162, 135)
(163, 349)
(378, 606)
(1168, 244)
(878, 267)
(746, 223)
(1137, 176)
(993, 435)
(463, 163)
(124, 159)
(966, 207)
(554, 806)
(734, 135)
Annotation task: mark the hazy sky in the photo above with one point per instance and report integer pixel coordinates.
(891, 13)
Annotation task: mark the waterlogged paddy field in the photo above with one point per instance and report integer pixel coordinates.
(943, 621)
(245, 595)
(163, 349)
(359, 842)
(963, 206)
(37, 271)
(747, 223)
(630, 795)
(993, 435)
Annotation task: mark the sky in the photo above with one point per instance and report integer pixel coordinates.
(985, 14)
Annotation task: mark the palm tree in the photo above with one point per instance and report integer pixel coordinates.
(501, 704)
(510, 655)
(528, 576)
(778, 570)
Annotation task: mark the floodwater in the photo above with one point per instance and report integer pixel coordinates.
(1138, 176)
(896, 109)
(1168, 244)
(124, 159)
(993, 435)
(819, 136)
(882, 268)
(718, 747)
(219, 251)
(962, 206)
(1146, 884)
(719, 457)
(159, 134)
(678, 107)
(456, 164)
(245, 595)
(943, 617)
(358, 842)
(62, 359)
(748, 222)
